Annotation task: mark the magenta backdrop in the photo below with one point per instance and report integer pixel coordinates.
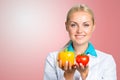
(30, 29)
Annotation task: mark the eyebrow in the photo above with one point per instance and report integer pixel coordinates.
(76, 22)
(72, 21)
(86, 22)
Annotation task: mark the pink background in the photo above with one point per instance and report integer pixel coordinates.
(30, 29)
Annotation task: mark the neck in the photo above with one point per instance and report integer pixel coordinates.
(79, 49)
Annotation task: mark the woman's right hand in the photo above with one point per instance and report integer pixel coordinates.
(68, 68)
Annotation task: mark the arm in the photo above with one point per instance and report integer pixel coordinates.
(50, 69)
(110, 70)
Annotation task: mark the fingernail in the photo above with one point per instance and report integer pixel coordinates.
(80, 64)
(67, 62)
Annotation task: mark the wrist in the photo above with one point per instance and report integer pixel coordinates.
(83, 76)
(68, 76)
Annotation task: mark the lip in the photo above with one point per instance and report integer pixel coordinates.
(79, 36)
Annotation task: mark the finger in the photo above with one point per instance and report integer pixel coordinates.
(66, 65)
(69, 65)
(60, 63)
(77, 66)
(82, 66)
(86, 67)
(74, 66)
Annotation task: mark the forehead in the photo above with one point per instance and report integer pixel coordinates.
(80, 16)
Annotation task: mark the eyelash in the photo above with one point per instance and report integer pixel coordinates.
(73, 25)
(86, 25)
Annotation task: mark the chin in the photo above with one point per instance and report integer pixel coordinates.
(80, 42)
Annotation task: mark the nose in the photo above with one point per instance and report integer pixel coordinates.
(79, 29)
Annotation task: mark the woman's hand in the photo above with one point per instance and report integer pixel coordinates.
(83, 70)
(68, 68)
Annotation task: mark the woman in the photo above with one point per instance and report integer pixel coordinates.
(80, 25)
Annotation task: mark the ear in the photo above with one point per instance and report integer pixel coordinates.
(93, 27)
(66, 26)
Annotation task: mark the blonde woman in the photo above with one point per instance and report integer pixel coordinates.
(80, 25)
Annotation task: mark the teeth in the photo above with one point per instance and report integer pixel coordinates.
(79, 36)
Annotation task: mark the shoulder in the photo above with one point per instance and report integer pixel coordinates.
(102, 54)
(105, 57)
(51, 58)
(52, 55)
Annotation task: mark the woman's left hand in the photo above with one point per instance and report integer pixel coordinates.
(83, 70)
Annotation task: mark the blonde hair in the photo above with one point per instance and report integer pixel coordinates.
(81, 7)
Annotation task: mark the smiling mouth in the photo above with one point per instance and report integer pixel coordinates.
(79, 36)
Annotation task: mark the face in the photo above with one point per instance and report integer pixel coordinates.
(80, 27)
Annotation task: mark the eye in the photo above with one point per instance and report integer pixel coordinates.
(73, 25)
(86, 25)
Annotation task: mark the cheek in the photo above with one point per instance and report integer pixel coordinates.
(88, 31)
(71, 32)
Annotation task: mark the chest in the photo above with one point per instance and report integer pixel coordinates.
(96, 69)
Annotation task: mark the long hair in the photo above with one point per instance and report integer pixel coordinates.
(77, 8)
(81, 7)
